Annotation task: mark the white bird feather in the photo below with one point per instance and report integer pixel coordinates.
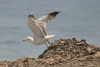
(39, 28)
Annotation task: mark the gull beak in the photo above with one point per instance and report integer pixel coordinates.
(24, 39)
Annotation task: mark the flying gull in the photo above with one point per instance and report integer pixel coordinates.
(38, 28)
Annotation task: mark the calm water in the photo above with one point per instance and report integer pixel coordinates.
(79, 18)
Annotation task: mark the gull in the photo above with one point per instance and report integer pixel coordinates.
(38, 28)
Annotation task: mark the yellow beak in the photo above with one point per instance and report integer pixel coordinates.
(24, 39)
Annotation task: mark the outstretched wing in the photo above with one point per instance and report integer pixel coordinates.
(36, 29)
(42, 21)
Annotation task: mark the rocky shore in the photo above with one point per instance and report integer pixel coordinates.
(62, 53)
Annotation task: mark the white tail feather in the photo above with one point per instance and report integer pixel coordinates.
(49, 36)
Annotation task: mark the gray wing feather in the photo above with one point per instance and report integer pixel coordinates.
(42, 21)
(36, 29)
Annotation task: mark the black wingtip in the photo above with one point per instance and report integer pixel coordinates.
(30, 15)
(54, 13)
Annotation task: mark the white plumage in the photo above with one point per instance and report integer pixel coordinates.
(39, 28)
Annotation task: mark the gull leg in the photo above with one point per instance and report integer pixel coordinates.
(48, 42)
(46, 45)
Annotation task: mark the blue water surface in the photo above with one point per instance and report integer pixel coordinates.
(79, 18)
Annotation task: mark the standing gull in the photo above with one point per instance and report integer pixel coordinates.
(39, 28)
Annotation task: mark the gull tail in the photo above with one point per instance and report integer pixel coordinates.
(49, 36)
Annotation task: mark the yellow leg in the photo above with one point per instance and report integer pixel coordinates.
(46, 45)
(48, 42)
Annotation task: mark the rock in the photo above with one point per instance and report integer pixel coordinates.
(30, 59)
(80, 44)
(97, 55)
(73, 38)
(83, 40)
(63, 52)
(96, 47)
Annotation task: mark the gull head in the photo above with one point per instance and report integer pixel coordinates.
(28, 39)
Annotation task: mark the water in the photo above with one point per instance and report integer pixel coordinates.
(79, 18)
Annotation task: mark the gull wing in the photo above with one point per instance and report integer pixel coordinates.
(36, 29)
(42, 21)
